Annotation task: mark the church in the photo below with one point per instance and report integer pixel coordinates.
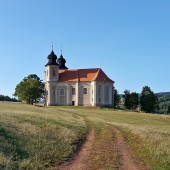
(75, 87)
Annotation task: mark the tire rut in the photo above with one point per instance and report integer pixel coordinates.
(126, 159)
(80, 161)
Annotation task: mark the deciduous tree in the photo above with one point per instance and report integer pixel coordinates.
(131, 100)
(30, 90)
(148, 100)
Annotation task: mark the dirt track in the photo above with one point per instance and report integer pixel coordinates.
(126, 159)
(80, 160)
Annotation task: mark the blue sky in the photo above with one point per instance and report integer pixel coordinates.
(129, 40)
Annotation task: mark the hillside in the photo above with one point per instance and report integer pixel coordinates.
(33, 137)
(161, 94)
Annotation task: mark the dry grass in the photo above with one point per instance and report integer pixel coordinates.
(42, 137)
(103, 155)
(37, 138)
(147, 134)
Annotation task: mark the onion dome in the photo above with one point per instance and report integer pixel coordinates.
(52, 59)
(61, 62)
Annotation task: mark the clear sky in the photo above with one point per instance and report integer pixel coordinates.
(128, 39)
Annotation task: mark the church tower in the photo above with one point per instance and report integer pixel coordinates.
(61, 62)
(51, 77)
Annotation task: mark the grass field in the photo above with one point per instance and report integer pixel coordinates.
(33, 137)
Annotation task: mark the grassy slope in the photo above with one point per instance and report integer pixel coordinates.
(39, 137)
(35, 137)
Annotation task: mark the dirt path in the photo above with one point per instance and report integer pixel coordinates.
(126, 159)
(79, 162)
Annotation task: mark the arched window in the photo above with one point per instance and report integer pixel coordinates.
(53, 72)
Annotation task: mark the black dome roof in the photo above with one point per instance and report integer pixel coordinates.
(52, 55)
(52, 59)
(61, 62)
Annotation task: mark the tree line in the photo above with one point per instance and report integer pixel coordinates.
(164, 104)
(147, 101)
(7, 98)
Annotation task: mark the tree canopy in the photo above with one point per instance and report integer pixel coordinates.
(116, 98)
(169, 109)
(131, 100)
(148, 100)
(30, 89)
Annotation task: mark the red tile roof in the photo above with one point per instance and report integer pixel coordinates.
(82, 75)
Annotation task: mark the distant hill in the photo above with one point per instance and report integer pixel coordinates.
(160, 94)
(163, 94)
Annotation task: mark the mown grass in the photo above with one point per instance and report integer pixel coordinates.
(34, 137)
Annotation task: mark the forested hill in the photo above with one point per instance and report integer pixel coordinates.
(161, 94)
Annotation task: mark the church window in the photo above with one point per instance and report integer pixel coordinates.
(53, 92)
(99, 89)
(62, 92)
(106, 92)
(99, 100)
(53, 72)
(73, 91)
(84, 90)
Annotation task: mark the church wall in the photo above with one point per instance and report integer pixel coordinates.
(64, 93)
(104, 93)
(51, 73)
(97, 93)
(93, 93)
(73, 91)
(84, 94)
(50, 93)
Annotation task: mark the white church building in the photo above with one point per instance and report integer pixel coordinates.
(76, 87)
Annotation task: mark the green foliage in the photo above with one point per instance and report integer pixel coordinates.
(7, 98)
(164, 102)
(30, 90)
(116, 98)
(169, 109)
(131, 100)
(148, 100)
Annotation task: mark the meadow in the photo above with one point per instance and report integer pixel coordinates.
(35, 137)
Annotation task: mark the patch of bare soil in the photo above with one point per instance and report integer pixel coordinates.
(126, 159)
(80, 161)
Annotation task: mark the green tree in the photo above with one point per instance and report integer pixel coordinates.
(148, 100)
(116, 98)
(134, 100)
(169, 109)
(126, 97)
(131, 100)
(30, 90)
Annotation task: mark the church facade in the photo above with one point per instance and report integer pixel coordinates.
(77, 87)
